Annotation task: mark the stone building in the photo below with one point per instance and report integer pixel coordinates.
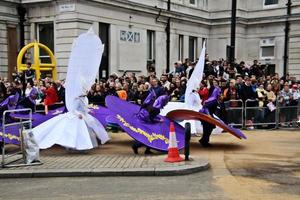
(136, 33)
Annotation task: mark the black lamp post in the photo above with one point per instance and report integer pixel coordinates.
(233, 27)
(168, 33)
(286, 37)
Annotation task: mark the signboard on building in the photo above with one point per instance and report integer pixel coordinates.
(130, 36)
(66, 7)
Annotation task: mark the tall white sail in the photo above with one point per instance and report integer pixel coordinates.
(195, 79)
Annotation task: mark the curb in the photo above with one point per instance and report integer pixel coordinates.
(189, 168)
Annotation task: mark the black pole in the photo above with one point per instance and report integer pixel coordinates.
(286, 38)
(233, 27)
(168, 33)
(21, 12)
(169, 5)
(187, 141)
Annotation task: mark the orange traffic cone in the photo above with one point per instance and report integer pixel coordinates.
(173, 152)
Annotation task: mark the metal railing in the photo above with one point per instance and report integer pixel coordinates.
(22, 124)
(235, 109)
(250, 114)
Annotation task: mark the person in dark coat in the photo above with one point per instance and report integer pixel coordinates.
(209, 108)
(60, 91)
(29, 74)
(148, 113)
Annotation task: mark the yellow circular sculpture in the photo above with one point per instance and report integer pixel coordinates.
(37, 65)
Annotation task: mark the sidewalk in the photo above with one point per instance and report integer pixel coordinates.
(112, 159)
(73, 165)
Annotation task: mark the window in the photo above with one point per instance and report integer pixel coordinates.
(193, 2)
(267, 52)
(270, 2)
(180, 48)
(45, 35)
(150, 45)
(267, 48)
(192, 48)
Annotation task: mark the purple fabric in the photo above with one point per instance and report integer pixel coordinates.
(38, 118)
(235, 130)
(154, 135)
(112, 120)
(155, 107)
(150, 98)
(161, 101)
(144, 116)
(12, 132)
(214, 96)
(11, 101)
(100, 113)
(33, 95)
(12, 135)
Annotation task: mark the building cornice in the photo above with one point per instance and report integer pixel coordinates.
(205, 19)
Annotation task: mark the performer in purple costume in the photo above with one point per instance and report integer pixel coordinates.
(148, 113)
(209, 108)
(151, 107)
(9, 103)
(29, 102)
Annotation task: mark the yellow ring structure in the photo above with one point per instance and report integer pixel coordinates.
(37, 65)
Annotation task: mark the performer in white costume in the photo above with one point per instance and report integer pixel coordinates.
(76, 129)
(192, 99)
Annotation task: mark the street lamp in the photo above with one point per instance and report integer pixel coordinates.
(286, 37)
(231, 49)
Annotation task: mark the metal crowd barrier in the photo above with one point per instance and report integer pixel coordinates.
(235, 112)
(259, 116)
(251, 115)
(26, 123)
(40, 108)
(287, 115)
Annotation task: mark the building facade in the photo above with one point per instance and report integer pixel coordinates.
(138, 34)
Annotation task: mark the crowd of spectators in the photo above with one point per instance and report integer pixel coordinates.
(237, 82)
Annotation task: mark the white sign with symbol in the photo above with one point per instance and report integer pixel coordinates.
(66, 7)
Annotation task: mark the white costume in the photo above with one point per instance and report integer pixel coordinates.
(192, 99)
(76, 129)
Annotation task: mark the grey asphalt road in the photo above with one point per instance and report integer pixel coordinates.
(265, 166)
(196, 186)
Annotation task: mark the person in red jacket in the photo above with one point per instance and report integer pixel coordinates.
(203, 91)
(50, 96)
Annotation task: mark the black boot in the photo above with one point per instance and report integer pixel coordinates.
(135, 149)
(147, 151)
(204, 144)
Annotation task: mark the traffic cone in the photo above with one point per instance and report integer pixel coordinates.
(173, 152)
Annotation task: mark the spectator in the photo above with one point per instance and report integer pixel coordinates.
(122, 94)
(255, 69)
(28, 89)
(158, 90)
(203, 91)
(60, 91)
(97, 95)
(285, 99)
(133, 93)
(164, 81)
(50, 95)
(29, 73)
(248, 95)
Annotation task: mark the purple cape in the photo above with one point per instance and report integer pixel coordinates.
(154, 135)
(12, 132)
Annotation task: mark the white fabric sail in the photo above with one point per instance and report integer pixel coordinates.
(76, 129)
(195, 80)
(83, 66)
(192, 99)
